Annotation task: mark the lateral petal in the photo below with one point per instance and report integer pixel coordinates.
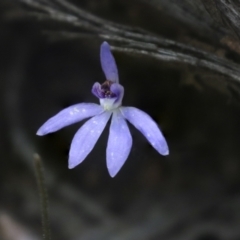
(119, 143)
(108, 63)
(86, 138)
(68, 116)
(146, 125)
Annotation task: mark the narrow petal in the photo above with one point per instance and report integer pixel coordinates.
(119, 143)
(86, 138)
(69, 116)
(145, 124)
(108, 63)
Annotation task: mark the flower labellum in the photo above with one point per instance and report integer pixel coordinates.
(110, 94)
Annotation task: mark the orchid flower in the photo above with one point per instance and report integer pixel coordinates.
(110, 94)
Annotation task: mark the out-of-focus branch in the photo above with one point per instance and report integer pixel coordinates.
(125, 39)
(227, 13)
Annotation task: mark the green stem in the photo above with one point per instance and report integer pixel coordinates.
(43, 196)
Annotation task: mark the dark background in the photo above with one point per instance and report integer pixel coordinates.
(192, 194)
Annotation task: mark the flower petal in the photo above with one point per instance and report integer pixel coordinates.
(118, 90)
(119, 143)
(86, 138)
(108, 63)
(96, 90)
(145, 124)
(68, 116)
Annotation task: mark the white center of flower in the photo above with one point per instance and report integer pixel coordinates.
(109, 103)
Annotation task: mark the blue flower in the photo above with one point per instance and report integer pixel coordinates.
(110, 94)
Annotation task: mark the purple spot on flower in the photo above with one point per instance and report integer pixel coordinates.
(104, 90)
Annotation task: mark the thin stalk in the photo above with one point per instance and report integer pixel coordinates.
(43, 196)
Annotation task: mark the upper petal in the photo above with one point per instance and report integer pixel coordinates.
(108, 63)
(68, 116)
(119, 143)
(86, 138)
(145, 124)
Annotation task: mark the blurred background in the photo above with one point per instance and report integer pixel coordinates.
(187, 80)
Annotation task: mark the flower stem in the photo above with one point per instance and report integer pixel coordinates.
(43, 196)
